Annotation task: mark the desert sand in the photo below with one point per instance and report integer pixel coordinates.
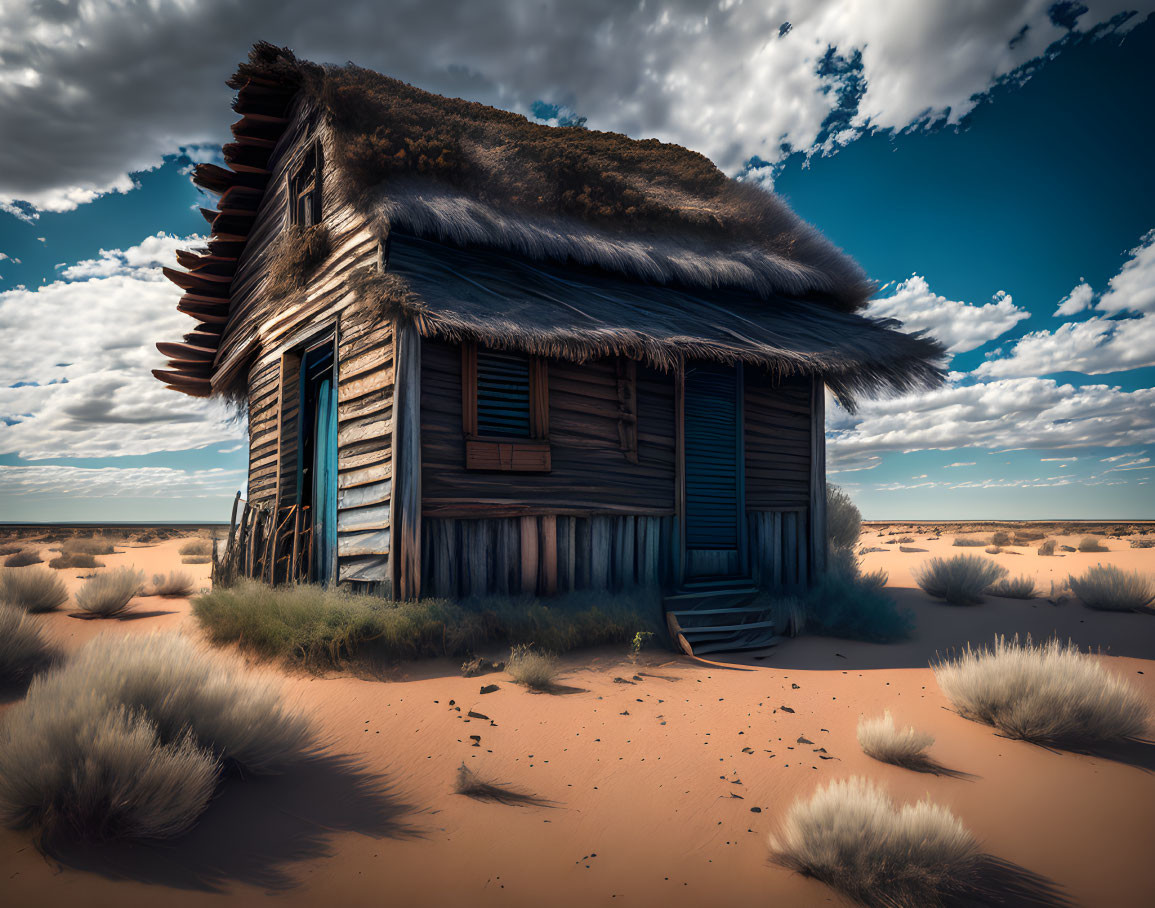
(659, 779)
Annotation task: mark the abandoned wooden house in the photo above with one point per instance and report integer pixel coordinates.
(483, 355)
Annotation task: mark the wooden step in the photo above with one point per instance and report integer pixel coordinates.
(706, 629)
(762, 643)
(748, 609)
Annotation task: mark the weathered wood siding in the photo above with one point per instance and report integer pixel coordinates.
(364, 438)
(544, 555)
(591, 471)
(778, 442)
(260, 324)
(264, 394)
(779, 543)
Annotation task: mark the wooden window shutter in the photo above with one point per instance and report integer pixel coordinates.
(504, 410)
(627, 382)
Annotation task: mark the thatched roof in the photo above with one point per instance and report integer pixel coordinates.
(657, 216)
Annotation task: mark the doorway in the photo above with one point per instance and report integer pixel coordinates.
(714, 471)
(317, 470)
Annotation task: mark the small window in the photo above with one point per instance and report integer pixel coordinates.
(305, 188)
(502, 394)
(504, 410)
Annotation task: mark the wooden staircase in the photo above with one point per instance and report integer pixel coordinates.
(718, 615)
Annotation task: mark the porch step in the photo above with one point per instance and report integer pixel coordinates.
(712, 620)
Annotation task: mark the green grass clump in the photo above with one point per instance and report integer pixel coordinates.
(38, 590)
(1049, 693)
(532, 667)
(1111, 589)
(1092, 544)
(23, 558)
(325, 627)
(1015, 588)
(108, 595)
(961, 580)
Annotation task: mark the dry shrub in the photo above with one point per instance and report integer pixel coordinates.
(23, 559)
(70, 561)
(1092, 544)
(198, 546)
(1048, 547)
(1000, 538)
(468, 783)
(23, 648)
(993, 550)
(128, 737)
(196, 559)
(6, 550)
(969, 541)
(532, 668)
(176, 583)
(961, 580)
(1111, 589)
(851, 836)
(905, 539)
(108, 595)
(843, 519)
(294, 255)
(87, 547)
(880, 739)
(1048, 693)
(1143, 543)
(38, 590)
(1015, 588)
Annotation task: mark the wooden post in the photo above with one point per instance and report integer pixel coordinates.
(529, 550)
(817, 520)
(405, 504)
(680, 469)
(549, 554)
(294, 567)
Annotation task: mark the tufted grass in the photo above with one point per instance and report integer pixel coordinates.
(128, 737)
(37, 590)
(1092, 544)
(533, 668)
(23, 649)
(1107, 588)
(960, 580)
(23, 558)
(1022, 587)
(970, 541)
(199, 546)
(108, 595)
(174, 584)
(851, 836)
(1047, 693)
(880, 739)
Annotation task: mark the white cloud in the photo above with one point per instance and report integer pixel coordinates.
(78, 384)
(1093, 346)
(714, 76)
(1062, 460)
(1076, 301)
(153, 252)
(1133, 288)
(1011, 414)
(960, 326)
(1119, 457)
(54, 481)
(965, 463)
(1131, 465)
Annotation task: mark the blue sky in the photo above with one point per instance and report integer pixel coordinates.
(985, 175)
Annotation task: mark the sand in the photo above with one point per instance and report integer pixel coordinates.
(661, 791)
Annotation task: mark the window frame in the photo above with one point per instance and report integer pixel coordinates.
(506, 454)
(303, 185)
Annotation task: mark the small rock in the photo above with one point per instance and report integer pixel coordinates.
(795, 687)
(622, 681)
(802, 739)
(489, 688)
(474, 715)
(755, 810)
(786, 709)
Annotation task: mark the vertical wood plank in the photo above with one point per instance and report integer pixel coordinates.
(405, 503)
(679, 563)
(601, 553)
(776, 548)
(478, 557)
(817, 476)
(539, 397)
(549, 554)
(529, 555)
(469, 388)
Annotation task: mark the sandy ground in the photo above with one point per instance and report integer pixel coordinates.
(660, 792)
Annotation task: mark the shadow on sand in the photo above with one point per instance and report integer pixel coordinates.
(1003, 883)
(1140, 754)
(133, 615)
(257, 828)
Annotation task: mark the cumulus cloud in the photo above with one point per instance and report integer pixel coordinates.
(1133, 288)
(78, 384)
(719, 76)
(1007, 414)
(960, 326)
(1076, 301)
(1093, 347)
(54, 481)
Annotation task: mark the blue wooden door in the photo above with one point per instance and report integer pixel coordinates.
(713, 470)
